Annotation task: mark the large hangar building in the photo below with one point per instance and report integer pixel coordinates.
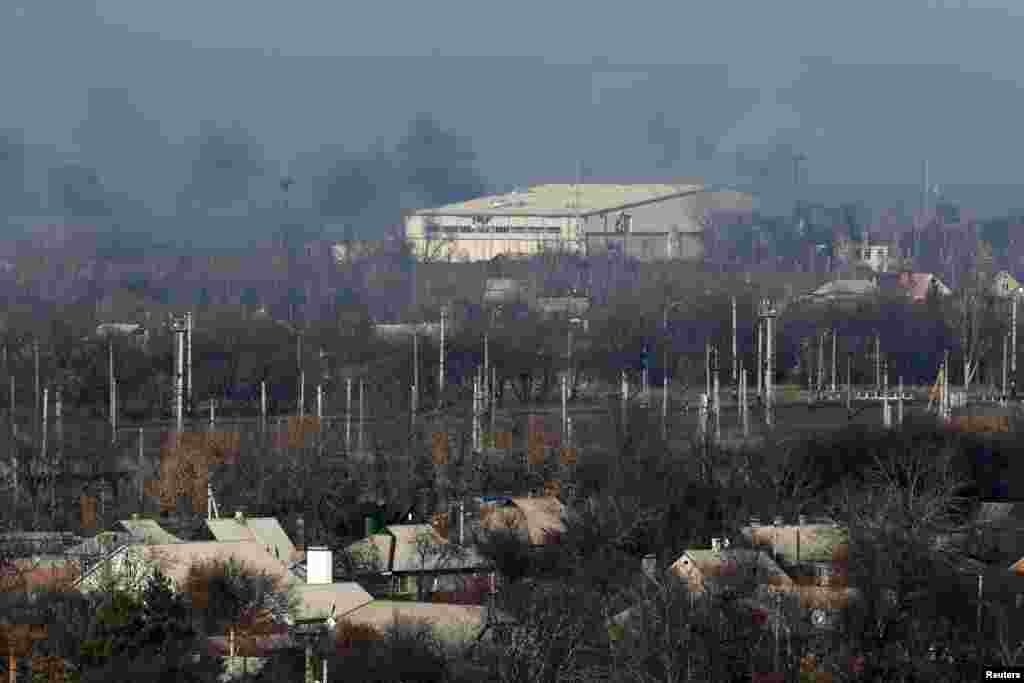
(647, 221)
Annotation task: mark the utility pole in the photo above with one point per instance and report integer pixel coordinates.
(707, 368)
(878, 361)
(717, 397)
(35, 354)
(625, 401)
(834, 366)
(42, 450)
(735, 359)
(565, 408)
(113, 390)
(188, 358)
(1006, 343)
(440, 372)
(821, 362)
(886, 414)
(945, 387)
(849, 381)
(179, 369)
(899, 405)
(141, 459)
(664, 404)
(760, 357)
(319, 402)
(348, 415)
(1013, 346)
(486, 372)
(769, 314)
(302, 376)
(58, 413)
(415, 373)
(744, 414)
(568, 370)
(263, 406)
(362, 413)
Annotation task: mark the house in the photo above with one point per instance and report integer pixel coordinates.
(721, 566)
(918, 286)
(451, 624)
(265, 530)
(842, 291)
(538, 520)
(38, 574)
(130, 564)
(403, 553)
(134, 332)
(148, 531)
(1004, 285)
(806, 544)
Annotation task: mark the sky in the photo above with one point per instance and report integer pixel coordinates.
(866, 90)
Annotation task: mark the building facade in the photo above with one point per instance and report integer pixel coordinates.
(650, 222)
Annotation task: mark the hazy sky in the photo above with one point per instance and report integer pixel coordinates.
(866, 89)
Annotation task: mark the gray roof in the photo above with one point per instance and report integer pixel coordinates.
(565, 200)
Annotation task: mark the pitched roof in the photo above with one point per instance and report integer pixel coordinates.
(373, 552)
(406, 555)
(175, 559)
(451, 623)
(806, 543)
(839, 288)
(729, 561)
(29, 574)
(820, 597)
(541, 515)
(148, 531)
(918, 285)
(266, 530)
(316, 600)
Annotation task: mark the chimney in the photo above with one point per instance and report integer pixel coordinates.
(716, 545)
(319, 566)
(650, 566)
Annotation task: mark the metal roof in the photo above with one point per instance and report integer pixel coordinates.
(564, 200)
(408, 556)
(450, 623)
(148, 531)
(265, 530)
(316, 600)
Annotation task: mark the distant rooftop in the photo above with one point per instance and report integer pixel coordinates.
(564, 199)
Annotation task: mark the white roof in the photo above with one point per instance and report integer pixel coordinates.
(565, 200)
